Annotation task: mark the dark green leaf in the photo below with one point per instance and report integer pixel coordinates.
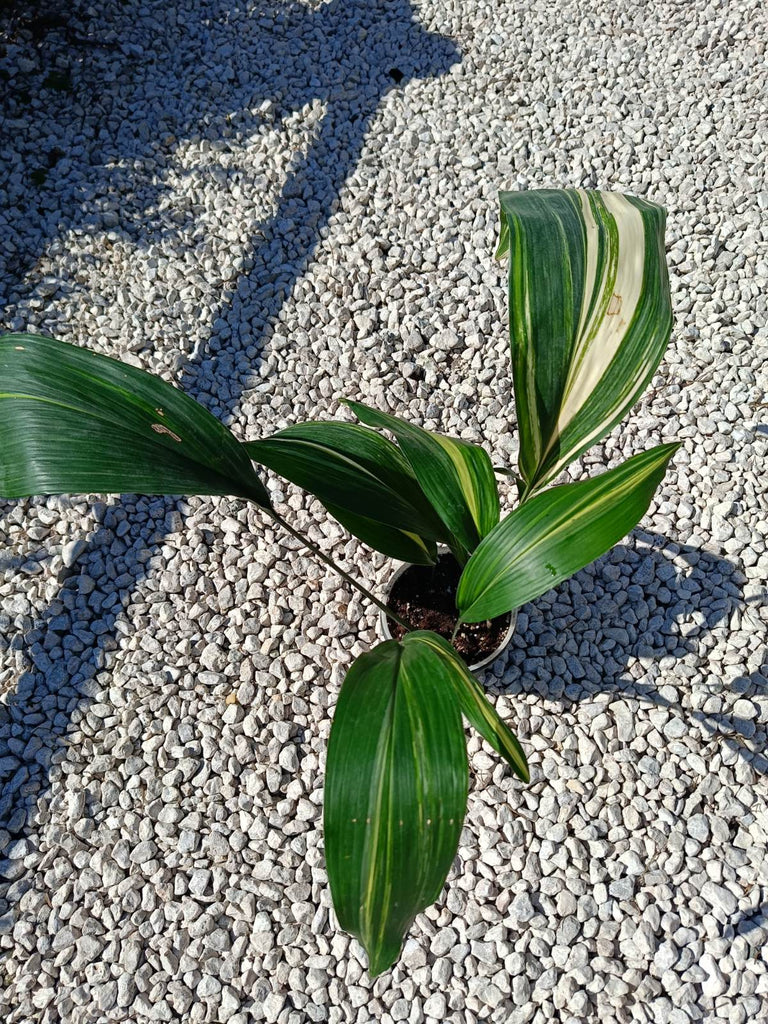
(477, 709)
(408, 547)
(73, 421)
(551, 536)
(362, 479)
(456, 476)
(395, 792)
(589, 316)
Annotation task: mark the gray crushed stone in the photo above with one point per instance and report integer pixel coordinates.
(241, 197)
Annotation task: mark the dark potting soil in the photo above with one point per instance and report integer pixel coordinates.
(425, 596)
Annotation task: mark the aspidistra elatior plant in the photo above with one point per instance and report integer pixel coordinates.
(589, 320)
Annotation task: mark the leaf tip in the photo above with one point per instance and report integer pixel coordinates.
(668, 451)
(502, 246)
(381, 960)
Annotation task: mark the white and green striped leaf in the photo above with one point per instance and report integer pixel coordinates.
(457, 477)
(589, 316)
(554, 534)
(395, 792)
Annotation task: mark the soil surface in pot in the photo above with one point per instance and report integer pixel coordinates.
(425, 596)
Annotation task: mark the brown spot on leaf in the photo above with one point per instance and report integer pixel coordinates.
(19, 348)
(614, 305)
(159, 412)
(160, 428)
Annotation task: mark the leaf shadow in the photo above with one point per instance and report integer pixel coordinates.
(67, 645)
(751, 924)
(646, 606)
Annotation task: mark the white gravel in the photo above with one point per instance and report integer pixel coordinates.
(244, 199)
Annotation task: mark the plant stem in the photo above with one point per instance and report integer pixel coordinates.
(337, 569)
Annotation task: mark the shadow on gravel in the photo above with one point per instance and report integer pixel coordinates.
(656, 602)
(347, 54)
(753, 925)
(67, 648)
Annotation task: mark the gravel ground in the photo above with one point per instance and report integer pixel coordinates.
(279, 204)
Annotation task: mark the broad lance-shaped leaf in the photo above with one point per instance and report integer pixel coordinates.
(395, 792)
(362, 479)
(476, 707)
(73, 421)
(408, 547)
(457, 477)
(589, 316)
(551, 536)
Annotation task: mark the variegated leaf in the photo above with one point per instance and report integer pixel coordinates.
(590, 316)
(363, 480)
(554, 534)
(389, 540)
(456, 476)
(395, 791)
(476, 707)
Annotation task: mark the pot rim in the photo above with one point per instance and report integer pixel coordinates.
(484, 662)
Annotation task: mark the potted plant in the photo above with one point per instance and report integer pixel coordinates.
(589, 320)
